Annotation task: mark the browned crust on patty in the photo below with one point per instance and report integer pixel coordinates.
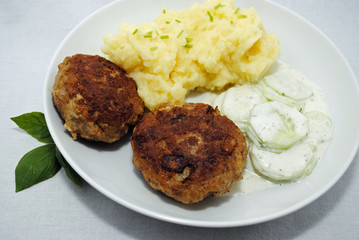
(189, 152)
(96, 99)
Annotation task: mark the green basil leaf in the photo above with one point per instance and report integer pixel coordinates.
(70, 172)
(34, 124)
(36, 166)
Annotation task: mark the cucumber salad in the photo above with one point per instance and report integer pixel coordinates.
(286, 121)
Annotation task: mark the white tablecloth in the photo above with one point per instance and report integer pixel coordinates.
(57, 209)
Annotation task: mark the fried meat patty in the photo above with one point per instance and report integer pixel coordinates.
(95, 98)
(189, 152)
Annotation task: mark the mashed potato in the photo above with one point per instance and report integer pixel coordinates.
(207, 46)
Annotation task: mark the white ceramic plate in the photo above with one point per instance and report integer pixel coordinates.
(109, 168)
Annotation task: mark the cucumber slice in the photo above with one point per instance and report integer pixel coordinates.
(243, 125)
(320, 126)
(238, 103)
(290, 165)
(286, 85)
(272, 95)
(287, 82)
(218, 102)
(276, 126)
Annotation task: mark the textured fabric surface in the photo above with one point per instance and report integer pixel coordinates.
(57, 209)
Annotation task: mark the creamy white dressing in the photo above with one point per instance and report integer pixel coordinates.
(287, 86)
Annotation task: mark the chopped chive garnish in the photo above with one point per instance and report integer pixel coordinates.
(179, 21)
(231, 22)
(148, 35)
(236, 11)
(157, 32)
(168, 22)
(189, 40)
(188, 45)
(242, 16)
(164, 11)
(153, 48)
(218, 6)
(210, 16)
(134, 32)
(195, 28)
(164, 36)
(180, 34)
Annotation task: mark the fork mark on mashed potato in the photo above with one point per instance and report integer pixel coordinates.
(185, 50)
